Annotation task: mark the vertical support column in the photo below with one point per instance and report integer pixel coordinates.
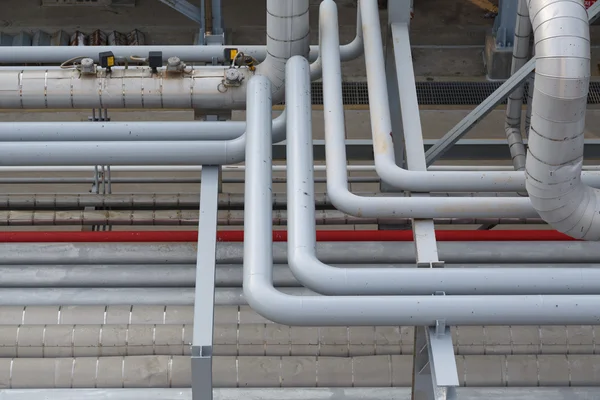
(505, 22)
(217, 18)
(204, 301)
(435, 374)
(210, 187)
(398, 11)
(434, 367)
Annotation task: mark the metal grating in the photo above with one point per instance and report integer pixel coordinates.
(436, 93)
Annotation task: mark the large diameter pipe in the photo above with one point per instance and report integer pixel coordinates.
(137, 87)
(405, 207)
(416, 181)
(288, 30)
(370, 310)
(556, 136)
(328, 280)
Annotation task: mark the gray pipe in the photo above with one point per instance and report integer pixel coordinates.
(328, 252)
(398, 207)
(367, 310)
(424, 181)
(121, 296)
(128, 131)
(130, 153)
(327, 280)
(183, 275)
(514, 105)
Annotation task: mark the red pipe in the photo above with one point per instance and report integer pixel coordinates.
(278, 236)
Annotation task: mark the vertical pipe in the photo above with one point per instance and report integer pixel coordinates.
(512, 125)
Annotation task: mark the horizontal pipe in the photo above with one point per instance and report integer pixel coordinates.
(242, 168)
(464, 393)
(176, 200)
(485, 280)
(168, 217)
(121, 296)
(127, 131)
(329, 252)
(122, 153)
(280, 236)
(153, 180)
(186, 217)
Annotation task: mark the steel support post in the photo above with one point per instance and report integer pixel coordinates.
(463, 127)
(435, 375)
(504, 24)
(433, 358)
(102, 178)
(204, 300)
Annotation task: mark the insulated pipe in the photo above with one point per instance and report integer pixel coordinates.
(313, 310)
(136, 87)
(556, 138)
(335, 151)
(130, 152)
(128, 131)
(415, 181)
(514, 105)
(331, 281)
(288, 31)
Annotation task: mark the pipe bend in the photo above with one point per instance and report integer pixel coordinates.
(349, 51)
(555, 154)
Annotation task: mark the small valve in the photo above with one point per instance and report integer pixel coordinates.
(233, 77)
(175, 65)
(87, 66)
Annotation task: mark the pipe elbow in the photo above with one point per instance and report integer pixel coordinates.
(555, 155)
(313, 274)
(269, 302)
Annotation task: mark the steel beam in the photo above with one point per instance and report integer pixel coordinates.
(204, 300)
(505, 22)
(184, 7)
(464, 126)
(434, 364)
